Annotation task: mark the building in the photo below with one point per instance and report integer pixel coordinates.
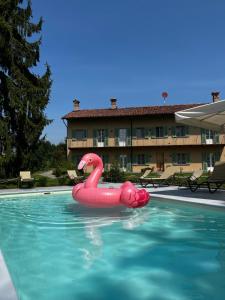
(138, 137)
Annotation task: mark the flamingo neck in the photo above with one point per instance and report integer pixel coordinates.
(93, 178)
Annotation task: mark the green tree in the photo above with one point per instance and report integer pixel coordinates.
(24, 95)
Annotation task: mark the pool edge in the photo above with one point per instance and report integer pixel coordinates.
(7, 289)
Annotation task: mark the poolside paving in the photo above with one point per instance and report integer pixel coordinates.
(183, 194)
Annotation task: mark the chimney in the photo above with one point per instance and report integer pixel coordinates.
(113, 103)
(76, 104)
(215, 96)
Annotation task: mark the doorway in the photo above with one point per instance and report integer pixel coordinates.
(123, 162)
(210, 161)
(100, 137)
(122, 137)
(160, 163)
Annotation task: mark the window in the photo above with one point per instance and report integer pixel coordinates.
(79, 134)
(180, 131)
(140, 133)
(140, 159)
(209, 159)
(181, 158)
(159, 132)
(101, 135)
(209, 134)
(122, 137)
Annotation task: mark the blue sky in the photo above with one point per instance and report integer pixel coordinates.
(132, 50)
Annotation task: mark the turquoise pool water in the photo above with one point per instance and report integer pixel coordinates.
(56, 249)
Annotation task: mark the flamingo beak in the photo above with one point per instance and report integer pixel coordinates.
(81, 165)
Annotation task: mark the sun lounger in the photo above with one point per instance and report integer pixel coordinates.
(214, 181)
(166, 178)
(185, 180)
(145, 174)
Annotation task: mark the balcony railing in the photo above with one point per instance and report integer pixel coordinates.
(168, 141)
(122, 142)
(100, 143)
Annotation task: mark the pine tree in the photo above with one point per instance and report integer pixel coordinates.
(24, 95)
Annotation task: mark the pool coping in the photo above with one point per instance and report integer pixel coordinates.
(36, 191)
(7, 289)
(207, 202)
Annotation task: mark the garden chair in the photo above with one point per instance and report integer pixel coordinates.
(213, 182)
(166, 178)
(25, 178)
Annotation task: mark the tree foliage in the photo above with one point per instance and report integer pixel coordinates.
(24, 95)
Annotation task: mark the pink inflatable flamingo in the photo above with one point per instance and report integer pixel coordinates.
(90, 195)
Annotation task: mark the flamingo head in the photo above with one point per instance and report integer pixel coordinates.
(89, 159)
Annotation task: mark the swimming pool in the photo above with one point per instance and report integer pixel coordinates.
(56, 249)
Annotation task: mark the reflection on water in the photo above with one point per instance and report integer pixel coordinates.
(94, 219)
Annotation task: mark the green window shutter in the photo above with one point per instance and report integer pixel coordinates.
(147, 159)
(106, 158)
(204, 161)
(95, 138)
(135, 159)
(128, 137)
(128, 164)
(165, 131)
(216, 138)
(106, 162)
(174, 158)
(188, 158)
(146, 133)
(203, 136)
(186, 130)
(106, 137)
(204, 166)
(73, 157)
(217, 155)
(117, 136)
(74, 134)
(153, 133)
(173, 131)
(134, 135)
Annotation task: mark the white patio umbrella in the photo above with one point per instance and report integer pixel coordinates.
(208, 116)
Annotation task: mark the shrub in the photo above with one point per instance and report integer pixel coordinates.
(59, 171)
(42, 181)
(114, 174)
(62, 181)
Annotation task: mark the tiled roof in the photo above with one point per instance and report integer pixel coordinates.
(128, 111)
